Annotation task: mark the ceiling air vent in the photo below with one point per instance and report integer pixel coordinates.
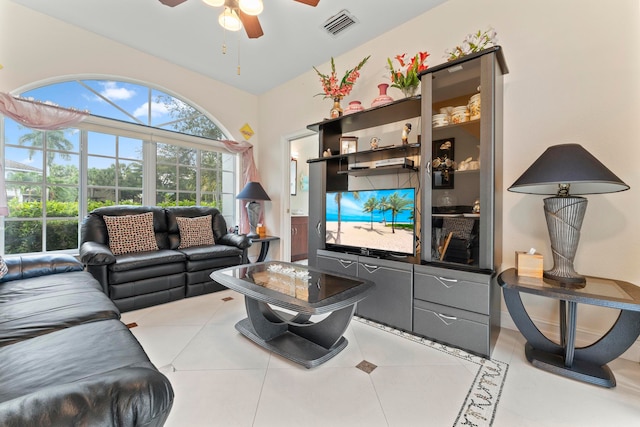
(339, 22)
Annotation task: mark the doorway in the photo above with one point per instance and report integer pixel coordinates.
(300, 150)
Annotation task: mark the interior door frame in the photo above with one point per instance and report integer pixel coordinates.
(285, 205)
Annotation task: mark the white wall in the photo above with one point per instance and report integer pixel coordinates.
(574, 77)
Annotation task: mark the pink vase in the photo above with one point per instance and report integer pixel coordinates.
(354, 107)
(383, 98)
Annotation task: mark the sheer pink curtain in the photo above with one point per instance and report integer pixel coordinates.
(34, 115)
(249, 173)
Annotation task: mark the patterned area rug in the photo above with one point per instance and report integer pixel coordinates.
(479, 407)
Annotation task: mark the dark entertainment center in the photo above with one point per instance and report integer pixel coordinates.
(446, 290)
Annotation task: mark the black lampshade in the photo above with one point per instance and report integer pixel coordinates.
(568, 164)
(253, 191)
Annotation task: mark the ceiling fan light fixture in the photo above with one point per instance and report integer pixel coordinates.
(251, 7)
(229, 20)
(214, 3)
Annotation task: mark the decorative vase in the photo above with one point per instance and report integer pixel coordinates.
(354, 107)
(383, 98)
(336, 111)
(409, 91)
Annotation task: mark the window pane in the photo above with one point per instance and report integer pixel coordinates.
(101, 171)
(228, 162)
(166, 177)
(166, 153)
(164, 198)
(228, 204)
(228, 184)
(63, 140)
(211, 159)
(62, 235)
(101, 143)
(208, 180)
(23, 164)
(130, 174)
(98, 197)
(130, 148)
(22, 237)
(62, 201)
(130, 197)
(187, 178)
(63, 168)
(186, 156)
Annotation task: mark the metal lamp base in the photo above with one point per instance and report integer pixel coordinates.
(564, 219)
(253, 212)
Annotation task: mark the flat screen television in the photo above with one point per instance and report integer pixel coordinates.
(371, 222)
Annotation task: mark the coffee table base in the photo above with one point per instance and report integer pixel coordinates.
(292, 346)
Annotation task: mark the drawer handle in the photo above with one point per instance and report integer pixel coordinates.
(444, 318)
(370, 268)
(344, 263)
(319, 229)
(447, 282)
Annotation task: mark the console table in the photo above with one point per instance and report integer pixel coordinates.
(586, 363)
(264, 245)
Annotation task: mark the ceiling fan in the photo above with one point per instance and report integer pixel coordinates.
(239, 13)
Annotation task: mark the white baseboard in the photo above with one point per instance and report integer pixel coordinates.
(552, 331)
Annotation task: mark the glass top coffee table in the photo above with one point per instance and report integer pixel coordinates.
(303, 290)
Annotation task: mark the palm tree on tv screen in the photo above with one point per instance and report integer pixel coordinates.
(397, 204)
(382, 207)
(338, 199)
(369, 206)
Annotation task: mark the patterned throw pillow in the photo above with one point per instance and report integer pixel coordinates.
(460, 227)
(3, 268)
(195, 231)
(131, 233)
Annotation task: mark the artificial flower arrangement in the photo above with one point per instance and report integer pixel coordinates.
(406, 77)
(334, 88)
(475, 42)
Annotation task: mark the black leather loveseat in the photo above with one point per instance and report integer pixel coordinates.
(65, 357)
(135, 280)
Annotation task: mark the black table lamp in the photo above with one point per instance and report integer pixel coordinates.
(562, 169)
(253, 191)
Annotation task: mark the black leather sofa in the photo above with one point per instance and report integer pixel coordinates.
(141, 279)
(65, 357)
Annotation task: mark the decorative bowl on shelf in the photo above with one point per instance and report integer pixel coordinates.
(354, 107)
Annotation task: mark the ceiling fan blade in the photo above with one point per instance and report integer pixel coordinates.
(251, 25)
(172, 3)
(313, 3)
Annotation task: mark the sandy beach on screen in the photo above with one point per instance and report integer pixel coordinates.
(361, 234)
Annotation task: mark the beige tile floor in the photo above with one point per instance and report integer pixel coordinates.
(220, 378)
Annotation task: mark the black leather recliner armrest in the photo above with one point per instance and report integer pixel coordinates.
(94, 253)
(238, 240)
(25, 267)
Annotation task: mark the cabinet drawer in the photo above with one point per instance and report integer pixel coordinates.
(452, 291)
(338, 263)
(450, 326)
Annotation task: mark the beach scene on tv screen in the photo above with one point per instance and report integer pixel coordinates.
(374, 219)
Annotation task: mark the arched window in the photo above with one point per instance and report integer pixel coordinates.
(140, 146)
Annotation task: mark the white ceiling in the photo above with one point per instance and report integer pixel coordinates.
(189, 35)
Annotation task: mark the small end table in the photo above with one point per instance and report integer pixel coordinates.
(264, 245)
(586, 364)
